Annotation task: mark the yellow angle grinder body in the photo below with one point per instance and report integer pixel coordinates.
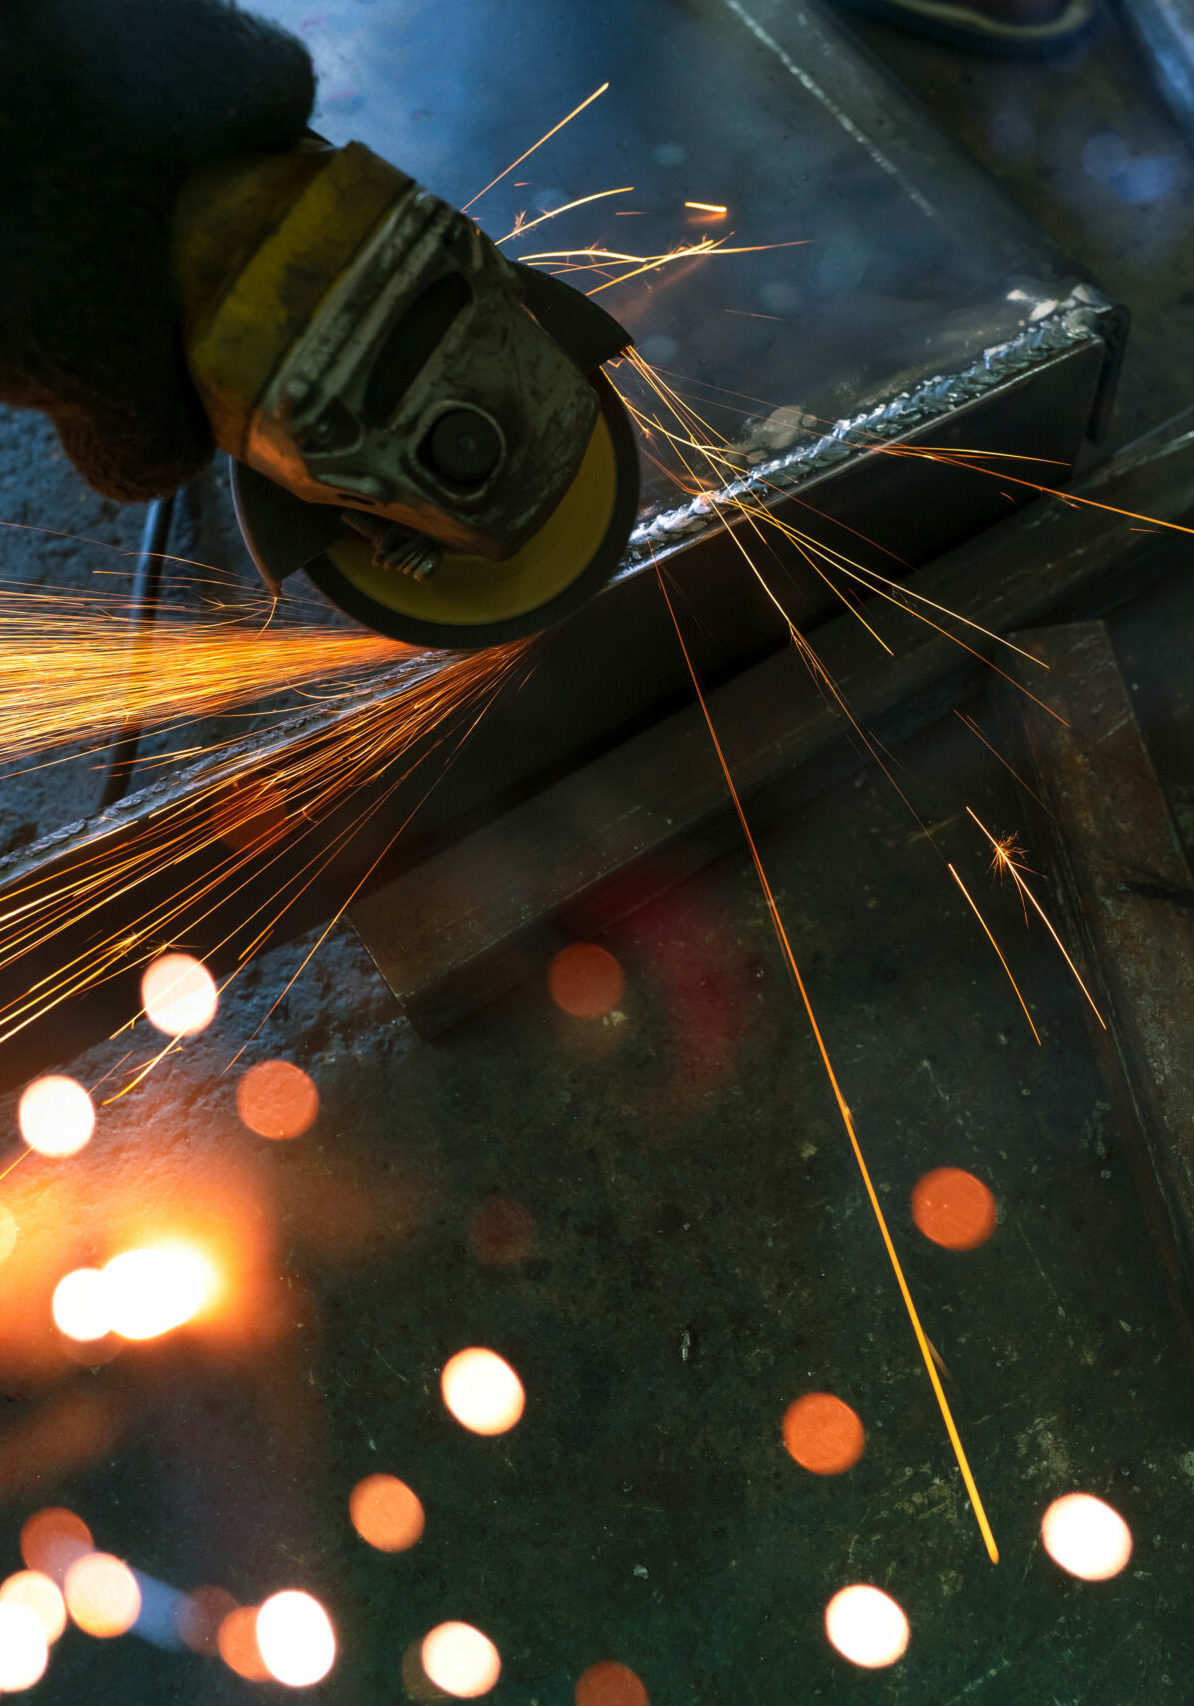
(418, 422)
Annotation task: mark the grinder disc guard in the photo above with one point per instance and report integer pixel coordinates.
(469, 601)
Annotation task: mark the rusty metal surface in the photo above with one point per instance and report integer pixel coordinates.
(889, 285)
(1129, 896)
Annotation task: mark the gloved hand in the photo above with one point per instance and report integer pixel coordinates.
(106, 107)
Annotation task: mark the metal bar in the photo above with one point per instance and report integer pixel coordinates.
(1129, 896)
(1051, 557)
(451, 932)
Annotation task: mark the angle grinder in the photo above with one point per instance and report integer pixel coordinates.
(418, 422)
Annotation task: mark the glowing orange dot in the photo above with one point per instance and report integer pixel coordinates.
(501, 1231)
(102, 1594)
(296, 1638)
(866, 1626)
(56, 1116)
(52, 1539)
(610, 1684)
(953, 1208)
(482, 1391)
(179, 995)
(1086, 1537)
(80, 1305)
(24, 1651)
(461, 1660)
(199, 1618)
(276, 1099)
(152, 1291)
(238, 1647)
(38, 1594)
(823, 1434)
(385, 1513)
(585, 980)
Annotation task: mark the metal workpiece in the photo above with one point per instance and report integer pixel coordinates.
(450, 933)
(887, 284)
(784, 449)
(1116, 866)
(477, 847)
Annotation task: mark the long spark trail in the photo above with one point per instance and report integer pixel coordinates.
(555, 129)
(75, 669)
(245, 818)
(847, 1118)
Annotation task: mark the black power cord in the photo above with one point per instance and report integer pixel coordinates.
(147, 585)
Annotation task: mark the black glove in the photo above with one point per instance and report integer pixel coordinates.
(106, 107)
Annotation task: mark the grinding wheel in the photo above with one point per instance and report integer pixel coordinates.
(469, 601)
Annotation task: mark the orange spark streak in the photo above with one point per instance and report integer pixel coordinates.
(520, 230)
(957, 879)
(75, 669)
(842, 1107)
(547, 138)
(1005, 862)
(312, 775)
(707, 207)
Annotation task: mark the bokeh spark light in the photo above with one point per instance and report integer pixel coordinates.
(461, 1660)
(610, 1684)
(482, 1391)
(1086, 1537)
(866, 1626)
(954, 1209)
(585, 980)
(80, 1306)
(275, 1099)
(38, 1594)
(52, 1539)
(151, 1291)
(823, 1433)
(102, 1595)
(23, 1647)
(296, 1638)
(238, 1645)
(56, 1116)
(179, 995)
(386, 1513)
(200, 1615)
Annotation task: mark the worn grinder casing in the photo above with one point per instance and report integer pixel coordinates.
(362, 343)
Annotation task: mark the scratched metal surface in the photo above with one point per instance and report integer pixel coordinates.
(909, 266)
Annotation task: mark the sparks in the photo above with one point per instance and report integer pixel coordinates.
(1007, 859)
(843, 1109)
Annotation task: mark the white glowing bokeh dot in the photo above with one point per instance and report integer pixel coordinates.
(152, 1291)
(102, 1595)
(461, 1660)
(482, 1391)
(1086, 1537)
(24, 1649)
(296, 1638)
(80, 1305)
(56, 1116)
(866, 1626)
(179, 995)
(38, 1594)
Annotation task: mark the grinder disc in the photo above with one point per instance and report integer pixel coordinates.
(469, 601)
